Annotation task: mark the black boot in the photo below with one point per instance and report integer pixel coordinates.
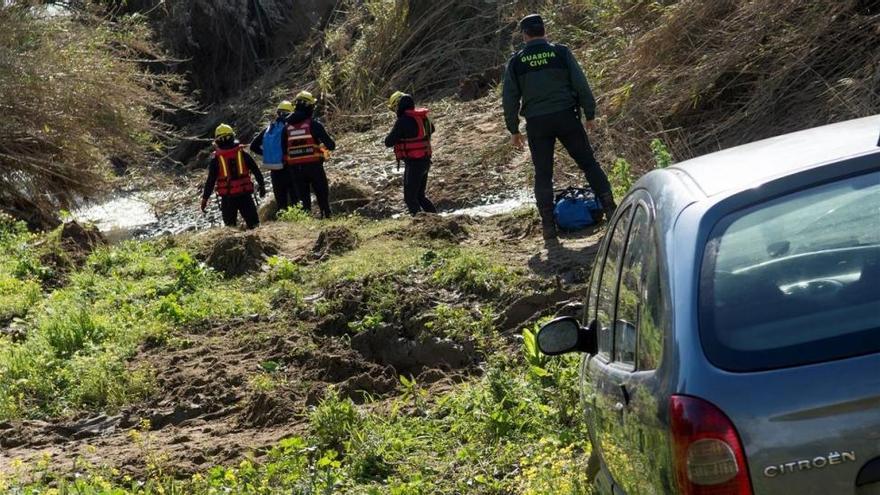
(548, 223)
(608, 205)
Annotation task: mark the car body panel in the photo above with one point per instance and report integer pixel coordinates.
(783, 416)
(780, 156)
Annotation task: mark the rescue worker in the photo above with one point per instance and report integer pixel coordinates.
(283, 187)
(411, 139)
(230, 174)
(544, 83)
(308, 144)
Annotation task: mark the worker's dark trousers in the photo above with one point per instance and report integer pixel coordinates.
(283, 188)
(312, 177)
(543, 131)
(415, 182)
(231, 206)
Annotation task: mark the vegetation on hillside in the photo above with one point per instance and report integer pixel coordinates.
(703, 76)
(77, 103)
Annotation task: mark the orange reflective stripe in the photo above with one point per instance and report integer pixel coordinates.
(241, 171)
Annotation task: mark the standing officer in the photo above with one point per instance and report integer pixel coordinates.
(545, 84)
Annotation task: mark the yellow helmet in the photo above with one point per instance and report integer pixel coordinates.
(395, 100)
(285, 106)
(306, 97)
(223, 130)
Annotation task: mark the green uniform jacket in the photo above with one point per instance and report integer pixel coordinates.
(545, 78)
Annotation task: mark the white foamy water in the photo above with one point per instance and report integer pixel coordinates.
(518, 200)
(124, 212)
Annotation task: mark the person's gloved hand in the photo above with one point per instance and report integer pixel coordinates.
(262, 191)
(204, 204)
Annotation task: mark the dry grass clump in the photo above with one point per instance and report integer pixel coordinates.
(74, 99)
(714, 74)
(374, 47)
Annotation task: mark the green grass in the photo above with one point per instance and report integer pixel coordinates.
(80, 337)
(373, 257)
(472, 272)
(507, 432)
(459, 323)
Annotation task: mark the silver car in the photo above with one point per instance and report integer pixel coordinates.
(732, 331)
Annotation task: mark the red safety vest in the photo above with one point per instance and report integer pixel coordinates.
(233, 175)
(419, 147)
(302, 147)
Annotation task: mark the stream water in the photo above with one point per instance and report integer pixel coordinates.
(153, 213)
(146, 214)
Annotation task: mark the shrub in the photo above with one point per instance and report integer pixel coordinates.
(294, 214)
(102, 380)
(662, 156)
(332, 420)
(16, 297)
(283, 269)
(61, 125)
(621, 178)
(379, 47)
(72, 326)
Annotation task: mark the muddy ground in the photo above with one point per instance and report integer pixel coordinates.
(208, 410)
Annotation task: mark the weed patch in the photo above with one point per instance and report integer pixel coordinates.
(78, 339)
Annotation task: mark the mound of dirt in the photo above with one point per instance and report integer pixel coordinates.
(529, 309)
(385, 346)
(238, 254)
(520, 226)
(432, 227)
(74, 244)
(347, 196)
(268, 211)
(80, 240)
(266, 409)
(334, 240)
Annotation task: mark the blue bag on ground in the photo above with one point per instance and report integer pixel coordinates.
(273, 154)
(576, 208)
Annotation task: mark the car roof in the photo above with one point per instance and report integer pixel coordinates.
(751, 164)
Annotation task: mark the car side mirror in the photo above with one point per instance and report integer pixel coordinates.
(565, 335)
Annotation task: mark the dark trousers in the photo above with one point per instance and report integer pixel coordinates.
(415, 182)
(231, 206)
(308, 178)
(283, 188)
(543, 131)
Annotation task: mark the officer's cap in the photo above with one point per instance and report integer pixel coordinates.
(531, 21)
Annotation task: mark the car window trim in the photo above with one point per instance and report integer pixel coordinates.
(633, 208)
(627, 207)
(642, 200)
(647, 201)
(598, 267)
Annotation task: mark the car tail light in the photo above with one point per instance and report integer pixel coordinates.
(707, 453)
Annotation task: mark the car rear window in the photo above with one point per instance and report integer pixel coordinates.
(795, 280)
